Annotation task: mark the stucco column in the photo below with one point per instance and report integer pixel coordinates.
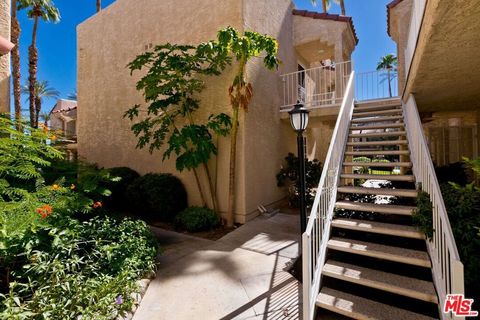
(5, 59)
(339, 87)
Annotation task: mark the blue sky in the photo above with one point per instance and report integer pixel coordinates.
(57, 42)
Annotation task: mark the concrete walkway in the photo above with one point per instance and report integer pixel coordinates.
(240, 276)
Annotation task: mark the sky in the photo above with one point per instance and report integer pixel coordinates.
(57, 42)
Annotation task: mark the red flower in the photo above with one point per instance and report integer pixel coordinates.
(97, 205)
(44, 211)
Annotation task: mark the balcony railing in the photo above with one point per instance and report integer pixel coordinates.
(316, 87)
(379, 84)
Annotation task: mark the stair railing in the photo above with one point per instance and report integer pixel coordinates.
(447, 269)
(315, 238)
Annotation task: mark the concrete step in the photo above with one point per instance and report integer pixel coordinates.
(380, 251)
(390, 282)
(378, 126)
(378, 153)
(377, 119)
(396, 101)
(357, 307)
(377, 208)
(388, 177)
(379, 191)
(390, 229)
(377, 143)
(378, 134)
(360, 108)
(377, 113)
(378, 164)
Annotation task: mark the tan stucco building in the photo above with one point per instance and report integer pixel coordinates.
(106, 90)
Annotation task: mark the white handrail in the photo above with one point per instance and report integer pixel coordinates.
(317, 233)
(447, 269)
(316, 87)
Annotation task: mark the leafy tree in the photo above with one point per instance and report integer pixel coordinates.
(36, 10)
(42, 91)
(174, 77)
(389, 63)
(243, 47)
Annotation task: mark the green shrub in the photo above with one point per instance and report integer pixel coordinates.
(158, 196)
(463, 207)
(122, 178)
(288, 177)
(196, 219)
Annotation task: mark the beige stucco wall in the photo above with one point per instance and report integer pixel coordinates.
(106, 43)
(106, 90)
(399, 27)
(5, 59)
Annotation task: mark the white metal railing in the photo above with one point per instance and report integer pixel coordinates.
(418, 10)
(378, 84)
(317, 233)
(316, 87)
(447, 269)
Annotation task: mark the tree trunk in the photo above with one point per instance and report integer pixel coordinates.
(204, 203)
(233, 156)
(389, 83)
(212, 190)
(32, 69)
(99, 5)
(38, 108)
(324, 6)
(342, 7)
(16, 65)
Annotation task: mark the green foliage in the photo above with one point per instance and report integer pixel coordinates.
(78, 269)
(463, 207)
(158, 196)
(196, 219)
(422, 216)
(120, 179)
(289, 176)
(55, 263)
(175, 75)
(22, 154)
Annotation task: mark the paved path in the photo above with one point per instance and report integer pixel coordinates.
(240, 276)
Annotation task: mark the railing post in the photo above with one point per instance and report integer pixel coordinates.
(306, 275)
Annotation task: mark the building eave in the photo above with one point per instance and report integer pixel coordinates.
(390, 6)
(327, 16)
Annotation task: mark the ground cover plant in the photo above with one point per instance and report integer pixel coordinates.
(61, 255)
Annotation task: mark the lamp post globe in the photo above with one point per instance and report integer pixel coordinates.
(299, 122)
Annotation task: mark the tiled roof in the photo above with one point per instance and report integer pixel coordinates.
(390, 6)
(327, 16)
(64, 109)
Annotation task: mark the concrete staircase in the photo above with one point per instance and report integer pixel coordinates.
(377, 266)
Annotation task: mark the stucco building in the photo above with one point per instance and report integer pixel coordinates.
(106, 44)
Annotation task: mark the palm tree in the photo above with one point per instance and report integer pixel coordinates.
(37, 9)
(389, 63)
(326, 5)
(15, 36)
(45, 116)
(73, 95)
(42, 92)
(99, 5)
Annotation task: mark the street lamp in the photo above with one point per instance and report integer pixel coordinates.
(299, 121)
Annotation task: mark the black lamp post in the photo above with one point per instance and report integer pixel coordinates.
(299, 121)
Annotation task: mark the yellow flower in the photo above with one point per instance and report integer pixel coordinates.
(55, 187)
(53, 138)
